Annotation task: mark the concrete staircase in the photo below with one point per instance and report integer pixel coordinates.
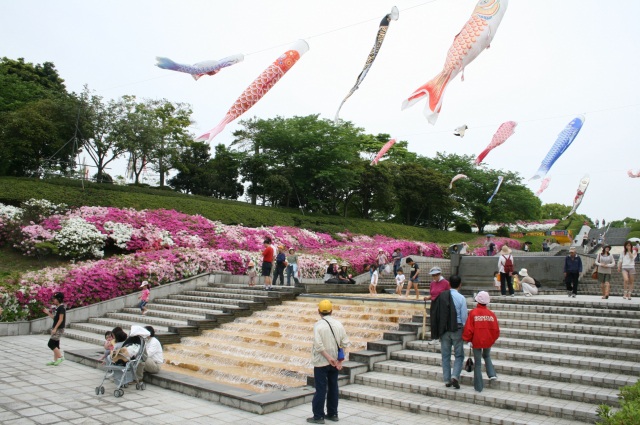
(186, 314)
(556, 359)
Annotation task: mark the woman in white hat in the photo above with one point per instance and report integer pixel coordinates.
(528, 283)
(506, 269)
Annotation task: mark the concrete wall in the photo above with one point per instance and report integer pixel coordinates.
(82, 314)
(479, 270)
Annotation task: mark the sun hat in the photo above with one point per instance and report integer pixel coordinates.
(144, 283)
(505, 249)
(435, 270)
(280, 246)
(325, 306)
(380, 249)
(333, 261)
(573, 248)
(523, 273)
(483, 298)
(344, 265)
(292, 249)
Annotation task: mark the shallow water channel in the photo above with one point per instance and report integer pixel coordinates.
(271, 349)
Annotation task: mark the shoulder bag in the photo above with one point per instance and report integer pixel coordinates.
(340, 350)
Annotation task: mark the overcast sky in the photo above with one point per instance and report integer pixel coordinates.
(549, 61)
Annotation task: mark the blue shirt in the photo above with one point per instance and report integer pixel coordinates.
(572, 265)
(461, 306)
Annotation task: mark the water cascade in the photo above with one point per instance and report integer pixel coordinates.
(271, 349)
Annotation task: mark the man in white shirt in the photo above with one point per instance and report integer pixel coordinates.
(328, 336)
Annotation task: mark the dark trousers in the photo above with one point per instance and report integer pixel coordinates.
(506, 281)
(278, 272)
(571, 281)
(326, 378)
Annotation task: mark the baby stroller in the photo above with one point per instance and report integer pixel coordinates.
(123, 363)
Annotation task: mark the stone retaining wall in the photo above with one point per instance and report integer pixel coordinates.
(82, 314)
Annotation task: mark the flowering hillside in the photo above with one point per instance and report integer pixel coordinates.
(160, 246)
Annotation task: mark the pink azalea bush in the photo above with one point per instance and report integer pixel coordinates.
(161, 246)
(482, 250)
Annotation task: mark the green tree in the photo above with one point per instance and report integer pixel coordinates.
(98, 128)
(314, 155)
(37, 119)
(513, 201)
(193, 169)
(225, 172)
(552, 211)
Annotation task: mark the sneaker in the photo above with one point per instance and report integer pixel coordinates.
(333, 418)
(50, 363)
(569, 294)
(455, 383)
(448, 384)
(573, 295)
(315, 421)
(57, 362)
(513, 295)
(493, 378)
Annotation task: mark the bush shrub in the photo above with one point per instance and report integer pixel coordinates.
(502, 232)
(629, 412)
(463, 227)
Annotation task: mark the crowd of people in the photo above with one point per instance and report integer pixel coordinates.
(451, 322)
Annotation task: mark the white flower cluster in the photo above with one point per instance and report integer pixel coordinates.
(10, 213)
(120, 233)
(43, 208)
(77, 238)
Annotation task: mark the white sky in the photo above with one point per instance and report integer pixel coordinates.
(549, 61)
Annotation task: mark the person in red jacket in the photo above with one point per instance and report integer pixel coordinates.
(482, 331)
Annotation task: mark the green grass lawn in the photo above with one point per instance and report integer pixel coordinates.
(13, 262)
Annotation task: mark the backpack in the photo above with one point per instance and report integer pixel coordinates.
(508, 264)
(538, 284)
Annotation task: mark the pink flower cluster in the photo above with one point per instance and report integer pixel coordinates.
(482, 250)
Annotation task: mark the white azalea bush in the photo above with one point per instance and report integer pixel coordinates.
(10, 218)
(79, 239)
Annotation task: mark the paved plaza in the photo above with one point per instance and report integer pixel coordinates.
(32, 393)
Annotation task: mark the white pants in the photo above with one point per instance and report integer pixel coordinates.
(529, 289)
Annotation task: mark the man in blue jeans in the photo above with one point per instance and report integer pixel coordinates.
(328, 336)
(453, 338)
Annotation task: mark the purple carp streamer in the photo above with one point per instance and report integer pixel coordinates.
(382, 32)
(199, 69)
(564, 140)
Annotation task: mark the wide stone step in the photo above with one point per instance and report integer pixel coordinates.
(166, 314)
(108, 324)
(565, 318)
(489, 397)
(213, 301)
(211, 307)
(544, 335)
(515, 384)
(550, 369)
(255, 291)
(598, 304)
(182, 309)
(563, 312)
(146, 319)
(236, 297)
(622, 361)
(85, 336)
(464, 411)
